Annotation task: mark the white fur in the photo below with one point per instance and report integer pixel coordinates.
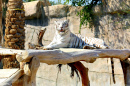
(61, 39)
(65, 39)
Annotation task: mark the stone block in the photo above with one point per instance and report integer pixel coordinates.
(73, 10)
(33, 9)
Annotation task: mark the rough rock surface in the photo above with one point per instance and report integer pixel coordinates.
(31, 33)
(33, 9)
(56, 11)
(112, 6)
(112, 28)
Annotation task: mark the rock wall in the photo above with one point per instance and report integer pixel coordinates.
(112, 28)
(112, 23)
(115, 30)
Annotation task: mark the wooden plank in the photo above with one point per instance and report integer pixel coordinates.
(13, 78)
(2, 80)
(5, 73)
(5, 51)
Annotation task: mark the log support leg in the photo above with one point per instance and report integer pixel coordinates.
(83, 72)
(30, 70)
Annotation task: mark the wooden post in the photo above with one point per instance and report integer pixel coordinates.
(83, 72)
(1, 31)
(29, 76)
(30, 70)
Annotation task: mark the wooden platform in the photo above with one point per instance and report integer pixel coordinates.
(32, 58)
(8, 76)
(6, 73)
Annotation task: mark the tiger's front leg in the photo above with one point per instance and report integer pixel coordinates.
(55, 46)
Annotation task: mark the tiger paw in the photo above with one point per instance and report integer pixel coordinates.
(47, 49)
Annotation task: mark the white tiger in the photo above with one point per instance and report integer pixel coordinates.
(64, 38)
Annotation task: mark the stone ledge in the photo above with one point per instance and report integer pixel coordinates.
(33, 9)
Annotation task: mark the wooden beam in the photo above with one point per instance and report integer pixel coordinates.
(5, 51)
(64, 56)
(83, 73)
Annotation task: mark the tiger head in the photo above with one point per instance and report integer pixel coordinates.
(62, 26)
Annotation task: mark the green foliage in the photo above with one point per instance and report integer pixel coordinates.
(86, 14)
(52, 2)
(55, 3)
(4, 1)
(29, 0)
(4, 7)
(4, 11)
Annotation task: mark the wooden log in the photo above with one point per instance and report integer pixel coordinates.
(1, 30)
(27, 70)
(29, 77)
(83, 73)
(41, 33)
(9, 57)
(65, 56)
